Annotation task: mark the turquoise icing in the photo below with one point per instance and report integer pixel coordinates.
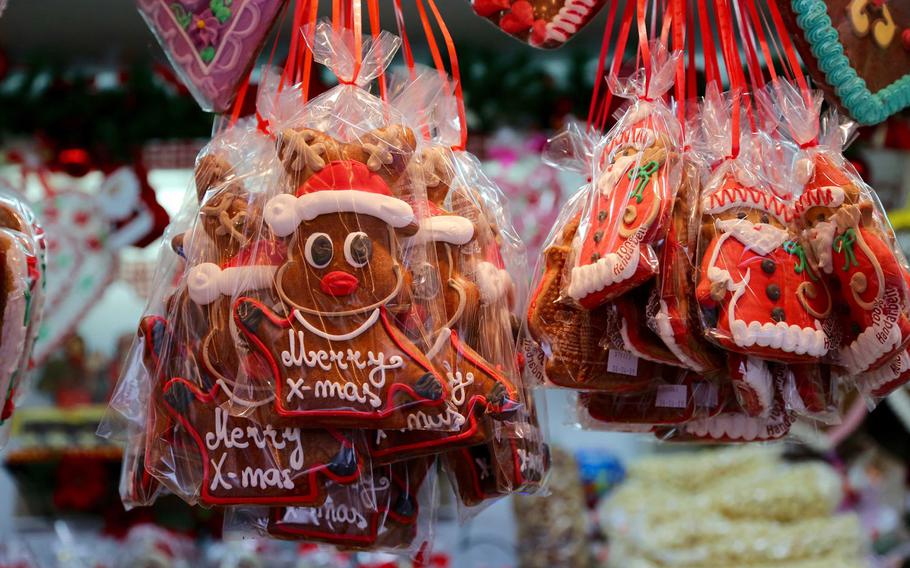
(866, 107)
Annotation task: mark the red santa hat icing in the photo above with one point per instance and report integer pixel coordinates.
(252, 268)
(340, 187)
(732, 194)
(441, 227)
(828, 196)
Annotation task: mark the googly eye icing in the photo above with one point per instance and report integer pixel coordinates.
(358, 249)
(318, 250)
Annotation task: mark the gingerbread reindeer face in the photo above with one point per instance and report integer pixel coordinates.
(342, 221)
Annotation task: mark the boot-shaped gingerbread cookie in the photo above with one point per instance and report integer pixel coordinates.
(759, 295)
(476, 388)
(380, 512)
(337, 359)
(855, 248)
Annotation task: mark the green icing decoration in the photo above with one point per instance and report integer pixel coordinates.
(181, 15)
(643, 175)
(844, 243)
(794, 248)
(207, 54)
(220, 10)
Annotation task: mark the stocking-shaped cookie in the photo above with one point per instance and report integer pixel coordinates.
(626, 213)
(337, 359)
(676, 318)
(382, 511)
(855, 249)
(476, 388)
(255, 459)
(574, 339)
(759, 295)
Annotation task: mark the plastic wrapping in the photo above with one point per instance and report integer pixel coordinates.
(759, 296)
(852, 245)
(384, 514)
(22, 254)
(637, 173)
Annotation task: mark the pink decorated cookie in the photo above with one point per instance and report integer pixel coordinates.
(542, 23)
(212, 45)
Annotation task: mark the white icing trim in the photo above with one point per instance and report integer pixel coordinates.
(207, 282)
(756, 374)
(492, 282)
(665, 332)
(452, 229)
(370, 321)
(873, 342)
(733, 426)
(630, 347)
(284, 213)
(568, 20)
(891, 371)
(590, 278)
(131, 232)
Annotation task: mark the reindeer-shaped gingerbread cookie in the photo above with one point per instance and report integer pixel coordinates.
(476, 387)
(337, 359)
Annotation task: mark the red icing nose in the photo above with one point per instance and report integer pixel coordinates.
(338, 283)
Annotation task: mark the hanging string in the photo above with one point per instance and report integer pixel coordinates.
(621, 41)
(453, 62)
(310, 29)
(643, 47)
(375, 29)
(712, 69)
(601, 63)
(734, 71)
(678, 15)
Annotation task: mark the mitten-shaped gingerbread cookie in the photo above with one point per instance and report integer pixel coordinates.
(380, 512)
(337, 359)
(257, 458)
(854, 247)
(676, 319)
(633, 310)
(476, 388)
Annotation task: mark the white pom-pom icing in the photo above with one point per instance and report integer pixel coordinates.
(494, 283)
(451, 229)
(207, 282)
(281, 214)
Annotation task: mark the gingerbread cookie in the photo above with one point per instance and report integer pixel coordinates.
(379, 513)
(633, 311)
(854, 247)
(857, 51)
(676, 317)
(576, 341)
(477, 389)
(542, 24)
(255, 459)
(627, 211)
(733, 425)
(337, 359)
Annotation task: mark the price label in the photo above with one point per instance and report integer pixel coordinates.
(622, 362)
(672, 396)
